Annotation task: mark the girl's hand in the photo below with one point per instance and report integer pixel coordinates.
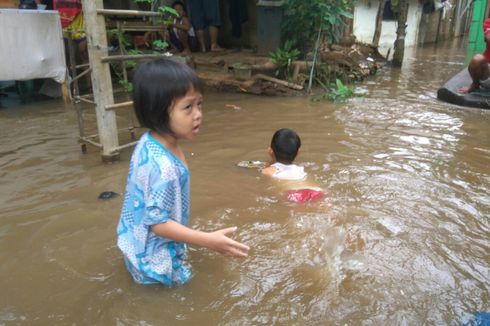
(220, 242)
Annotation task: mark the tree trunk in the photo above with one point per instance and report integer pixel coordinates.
(400, 33)
(379, 23)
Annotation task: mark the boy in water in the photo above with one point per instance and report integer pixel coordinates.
(284, 148)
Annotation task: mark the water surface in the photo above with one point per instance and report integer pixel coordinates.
(402, 237)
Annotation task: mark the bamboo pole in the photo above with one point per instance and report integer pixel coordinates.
(119, 105)
(110, 58)
(91, 142)
(134, 13)
(83, 99)
(119, 148)
(101, 78)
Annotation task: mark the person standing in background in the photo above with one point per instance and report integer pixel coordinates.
(205, 14)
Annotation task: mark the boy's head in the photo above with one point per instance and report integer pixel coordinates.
(285, 145)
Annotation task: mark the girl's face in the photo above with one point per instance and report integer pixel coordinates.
(186, 115)
(180, 10)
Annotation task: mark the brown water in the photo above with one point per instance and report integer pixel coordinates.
(402, 237)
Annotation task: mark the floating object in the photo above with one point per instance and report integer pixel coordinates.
(106, 195)
(304, 195)
(251, 164)
(233, 106)
(449, 92)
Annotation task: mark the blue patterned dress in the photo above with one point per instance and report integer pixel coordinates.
(157, 191)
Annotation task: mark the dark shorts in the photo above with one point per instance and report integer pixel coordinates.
(178, 44)
(204, 13)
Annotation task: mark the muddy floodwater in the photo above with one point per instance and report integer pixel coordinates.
(402, 237)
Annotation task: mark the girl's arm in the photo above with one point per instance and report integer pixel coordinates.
(217, 240)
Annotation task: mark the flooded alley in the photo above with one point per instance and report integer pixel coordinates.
(401, 238)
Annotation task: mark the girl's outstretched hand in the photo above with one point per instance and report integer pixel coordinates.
(220, 242)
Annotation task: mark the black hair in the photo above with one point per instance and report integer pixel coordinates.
(285, 144)
(156, 85)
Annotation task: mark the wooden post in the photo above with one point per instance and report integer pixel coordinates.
(379, 23)
(101, 78)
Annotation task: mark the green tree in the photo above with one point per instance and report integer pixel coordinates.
(401, 32)
(304, 19)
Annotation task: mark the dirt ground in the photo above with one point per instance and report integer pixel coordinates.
(247, 72)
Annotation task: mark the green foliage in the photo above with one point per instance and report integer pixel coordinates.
(168, 10)
(337, 92)
(132, 63)
(284, 58)
(302, 20)
(144, 1)
(160, 46)
(126, 84)
(119, 35)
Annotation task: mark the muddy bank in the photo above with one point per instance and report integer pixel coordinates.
(247, 72)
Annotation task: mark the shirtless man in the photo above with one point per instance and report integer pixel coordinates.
(479, 67)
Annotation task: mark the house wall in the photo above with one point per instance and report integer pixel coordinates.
(365, 24)
(429, 25)
(249, 29)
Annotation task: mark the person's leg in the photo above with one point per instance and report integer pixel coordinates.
(213, 20)
(196, 8)
(479, 70)
(184, 40)
(213, 35)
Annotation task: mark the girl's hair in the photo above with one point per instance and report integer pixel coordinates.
(285, 144)
(156, 86)
(177, 2)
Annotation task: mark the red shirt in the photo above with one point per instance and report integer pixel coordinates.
(486, 31)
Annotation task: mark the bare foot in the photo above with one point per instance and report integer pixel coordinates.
(185, 53)
(216, 48)
(468, 89)
(463, 90)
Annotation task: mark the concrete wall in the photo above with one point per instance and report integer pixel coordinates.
(437, 26)
(429, 24)
(365, 24)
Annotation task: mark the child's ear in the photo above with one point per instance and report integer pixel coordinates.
(270, 152)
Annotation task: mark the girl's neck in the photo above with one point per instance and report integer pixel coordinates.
(171, 144)
(167, 140)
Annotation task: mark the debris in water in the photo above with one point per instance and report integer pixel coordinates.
(251, 164)
(233, 106)
(106, 195)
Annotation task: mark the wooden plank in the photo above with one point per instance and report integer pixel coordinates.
(101, 78)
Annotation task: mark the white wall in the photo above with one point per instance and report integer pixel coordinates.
(365, 23)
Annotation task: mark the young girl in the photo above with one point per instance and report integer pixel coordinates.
(182, 35)
(152, 231)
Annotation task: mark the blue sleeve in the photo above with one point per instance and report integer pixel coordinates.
(160, 199)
